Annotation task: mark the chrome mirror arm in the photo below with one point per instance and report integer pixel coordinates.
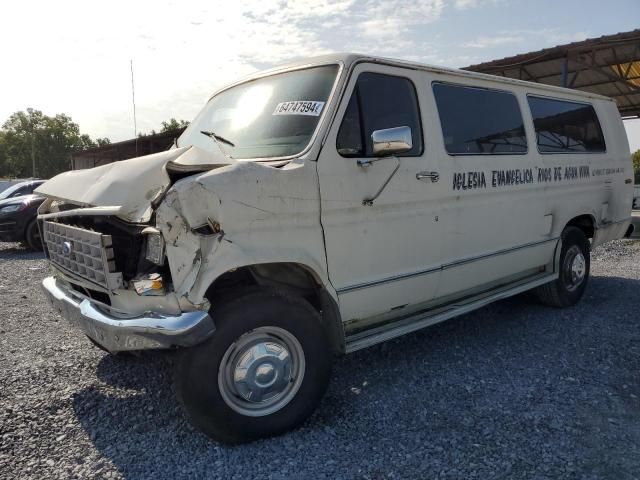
(386, 143)
(369, 201)
(367, 162)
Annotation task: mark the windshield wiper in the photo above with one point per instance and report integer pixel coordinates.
(217, 137)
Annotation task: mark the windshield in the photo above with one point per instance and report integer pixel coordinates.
(274, 116)
(12, 189)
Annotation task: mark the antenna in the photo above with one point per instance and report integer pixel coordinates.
(133, 99)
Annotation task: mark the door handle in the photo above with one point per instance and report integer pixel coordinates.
(434, 176)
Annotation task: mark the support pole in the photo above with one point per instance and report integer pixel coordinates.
(565, 71)
(133, 100)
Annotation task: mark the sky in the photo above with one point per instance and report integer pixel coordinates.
(73, 57)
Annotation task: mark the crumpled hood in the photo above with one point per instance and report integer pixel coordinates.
(131, 185)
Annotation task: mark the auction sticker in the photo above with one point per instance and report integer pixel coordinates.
(299, 107)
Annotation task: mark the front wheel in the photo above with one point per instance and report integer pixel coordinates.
(263, 372)
(573, 276)
(32, 236)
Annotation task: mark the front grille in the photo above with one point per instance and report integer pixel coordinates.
(85, 253)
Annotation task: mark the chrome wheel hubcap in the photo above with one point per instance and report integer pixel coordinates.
(575, 268)
(262, 371)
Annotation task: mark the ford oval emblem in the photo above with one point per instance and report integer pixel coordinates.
(67, 248)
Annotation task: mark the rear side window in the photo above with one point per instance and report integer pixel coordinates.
(378, 102)
(565, 127)
(479, 121)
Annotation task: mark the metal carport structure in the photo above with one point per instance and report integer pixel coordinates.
(608, 65)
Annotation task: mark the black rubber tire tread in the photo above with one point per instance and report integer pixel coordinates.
(30, 239)
(555, 293)
(196, 372)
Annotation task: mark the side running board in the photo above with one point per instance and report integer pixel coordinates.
(427, 318)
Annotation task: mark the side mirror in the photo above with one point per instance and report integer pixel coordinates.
(391, 141)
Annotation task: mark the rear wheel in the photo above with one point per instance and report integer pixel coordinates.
(32, 235)
(263, 371)
(573, 276)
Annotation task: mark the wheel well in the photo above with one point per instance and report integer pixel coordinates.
(584, 223)
(292, 278)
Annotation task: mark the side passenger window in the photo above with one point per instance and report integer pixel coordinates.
(565, 127)
(379, 102)
(479, 121)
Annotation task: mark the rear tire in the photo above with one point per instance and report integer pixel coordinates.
(573, 277)
(32, 236)
(262, 373)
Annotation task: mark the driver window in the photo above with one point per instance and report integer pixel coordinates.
(379, 101)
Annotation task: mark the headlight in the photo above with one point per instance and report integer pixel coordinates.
(154, 249)
(13, 208)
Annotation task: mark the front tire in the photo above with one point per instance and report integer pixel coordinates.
(262, 373)
(575, 265)
(32, 236)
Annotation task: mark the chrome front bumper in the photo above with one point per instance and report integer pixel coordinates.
(149, 331)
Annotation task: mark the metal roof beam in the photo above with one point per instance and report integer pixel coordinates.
(634, 57)
(573, 80)
(597, 84)
(540, 78)
(531, 76)
(609, 75)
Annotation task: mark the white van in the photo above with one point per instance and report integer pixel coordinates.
(326, 206)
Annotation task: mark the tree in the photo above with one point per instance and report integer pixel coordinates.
(636, 166)
(170, 126)
(34, 144)
(173, 125)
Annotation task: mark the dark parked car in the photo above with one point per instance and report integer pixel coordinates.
(20, 189)
(18, 222)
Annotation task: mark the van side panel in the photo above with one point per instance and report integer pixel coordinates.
(490, 220)
(510, 220)
(494, 209)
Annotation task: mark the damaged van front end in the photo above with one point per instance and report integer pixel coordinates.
(110, 276)
(135, 276)
(134, 246)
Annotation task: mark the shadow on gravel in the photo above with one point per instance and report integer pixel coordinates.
(15, 251)
(512, 390)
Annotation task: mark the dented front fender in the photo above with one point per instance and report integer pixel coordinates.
(265, 215)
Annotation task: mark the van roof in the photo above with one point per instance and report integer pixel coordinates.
(348, 59)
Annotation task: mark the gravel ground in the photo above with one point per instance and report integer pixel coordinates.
(514, 390)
